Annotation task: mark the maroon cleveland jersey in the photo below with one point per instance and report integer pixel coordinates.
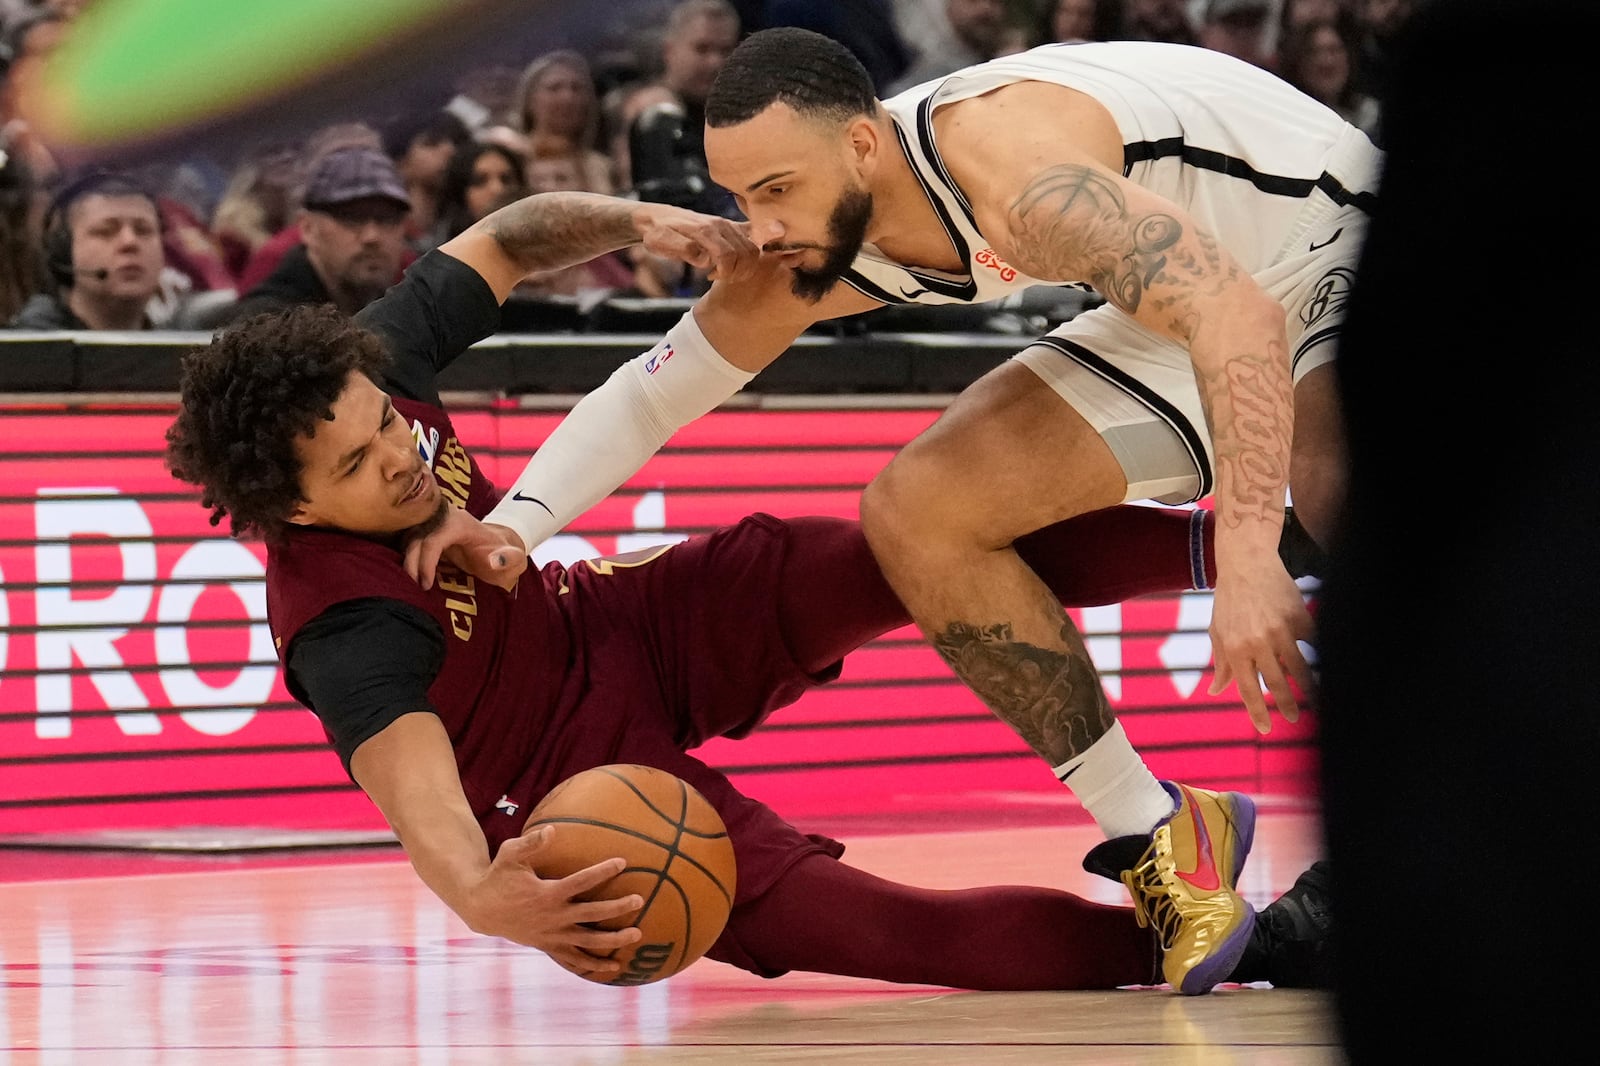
(500, 687)
(631, 659)
(634, 659)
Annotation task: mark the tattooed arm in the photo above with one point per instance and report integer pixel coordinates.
(1053, 202)
(1078, 222)
(550, 231)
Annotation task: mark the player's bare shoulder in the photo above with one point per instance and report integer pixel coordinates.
(995, 144)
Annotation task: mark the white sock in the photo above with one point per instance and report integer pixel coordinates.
(1116, 787)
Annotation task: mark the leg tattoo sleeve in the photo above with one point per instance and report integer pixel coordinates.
(1053, 699)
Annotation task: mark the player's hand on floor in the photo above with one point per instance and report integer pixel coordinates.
(1257, 617)
(514, 902)
(488, 552)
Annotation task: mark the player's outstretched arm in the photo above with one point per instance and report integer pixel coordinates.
(554, 230)
(409, 771)
(1053, 200)
(744, 323)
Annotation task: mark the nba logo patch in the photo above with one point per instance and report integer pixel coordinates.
(656, 361)
(427, 442)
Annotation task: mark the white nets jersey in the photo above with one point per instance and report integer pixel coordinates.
(1238, 148)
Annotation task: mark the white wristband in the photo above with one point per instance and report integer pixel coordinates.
(614, 431)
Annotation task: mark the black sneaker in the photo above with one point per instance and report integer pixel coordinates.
(1302, 556)
(1110, 857)
(1289, 946)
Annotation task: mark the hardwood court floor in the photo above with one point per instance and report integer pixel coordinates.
(347, 959)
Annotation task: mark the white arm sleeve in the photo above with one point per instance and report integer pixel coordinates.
(614, 430)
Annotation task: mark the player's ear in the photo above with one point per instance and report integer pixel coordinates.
(300, 516)
(865, 141)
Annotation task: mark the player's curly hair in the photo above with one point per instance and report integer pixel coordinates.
(815, 75)
(247, 395)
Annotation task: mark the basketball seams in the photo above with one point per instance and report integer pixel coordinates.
(671, 850)
(682, 949)
(648, 802)
(637, 791)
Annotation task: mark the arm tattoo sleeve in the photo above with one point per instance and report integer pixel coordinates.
(555, 230)
(1072, 224)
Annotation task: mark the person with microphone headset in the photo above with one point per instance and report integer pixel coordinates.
(102, 245)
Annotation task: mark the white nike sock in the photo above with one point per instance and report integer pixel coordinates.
(1116, 787)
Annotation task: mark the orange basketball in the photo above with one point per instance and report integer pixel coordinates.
(680, 861)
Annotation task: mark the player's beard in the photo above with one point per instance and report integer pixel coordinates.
(847, 232)
(427, 525)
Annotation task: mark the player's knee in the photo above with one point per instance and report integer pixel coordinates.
(903, 506)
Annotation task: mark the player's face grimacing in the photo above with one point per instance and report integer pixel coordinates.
(361, 472)
(801, 183)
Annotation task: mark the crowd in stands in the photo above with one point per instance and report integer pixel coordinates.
(337, 215)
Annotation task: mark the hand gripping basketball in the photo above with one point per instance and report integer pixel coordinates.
(680, 861)
(557, 915)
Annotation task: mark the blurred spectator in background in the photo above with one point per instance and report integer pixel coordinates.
(552, 172)
(257, 203)
(485, 96)
(1239, 28)
(558, 115)
(665, 152)
(1293, 13)
(421, 144)
(27, 39)
(1379, 22)
(1318, 58)
(1159, 20)
(269, 253)
(1077, 20)
(974, 32)
(609, 273)
(482, 177)
(21, 262)
(195, 259)
(866, 27)
(352, 226)
(102, 250)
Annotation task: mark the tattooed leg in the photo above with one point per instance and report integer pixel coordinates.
(1006, 458)
(1051, 696)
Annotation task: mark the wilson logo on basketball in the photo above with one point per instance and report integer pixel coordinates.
(987, 258)
(645, 965)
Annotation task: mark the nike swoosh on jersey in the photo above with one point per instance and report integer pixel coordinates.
(1324, 244)
(1204, 875)
(533, 499)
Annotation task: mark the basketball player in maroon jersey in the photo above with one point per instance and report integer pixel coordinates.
(458, 706)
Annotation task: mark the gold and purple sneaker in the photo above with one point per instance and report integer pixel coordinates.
(1184, 883)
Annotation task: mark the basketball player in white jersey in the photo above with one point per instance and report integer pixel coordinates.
(1217, 210)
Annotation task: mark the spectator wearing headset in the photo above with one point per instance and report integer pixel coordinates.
(102, 248)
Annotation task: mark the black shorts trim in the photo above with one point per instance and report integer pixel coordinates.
(1163, 410)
